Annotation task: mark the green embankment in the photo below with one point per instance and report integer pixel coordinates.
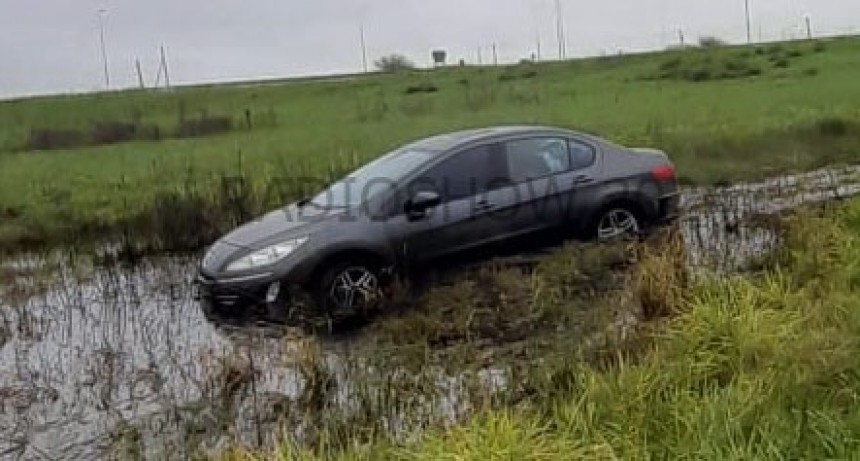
(724, 114)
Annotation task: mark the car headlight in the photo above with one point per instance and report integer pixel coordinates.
(267, 256)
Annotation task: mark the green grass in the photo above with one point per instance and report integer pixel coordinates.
(720, 129)
(763, 366)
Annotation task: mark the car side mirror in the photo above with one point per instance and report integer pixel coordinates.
(421, 202)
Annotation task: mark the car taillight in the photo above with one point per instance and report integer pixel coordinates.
(663, 173)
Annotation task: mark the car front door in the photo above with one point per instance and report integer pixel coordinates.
(470, 184)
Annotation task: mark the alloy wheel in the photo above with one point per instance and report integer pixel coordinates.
(617, 224)
(354, 289)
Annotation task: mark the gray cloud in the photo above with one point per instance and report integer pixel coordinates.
(52, 45)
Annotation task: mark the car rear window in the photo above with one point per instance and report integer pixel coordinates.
(582, 155)
(537, 157)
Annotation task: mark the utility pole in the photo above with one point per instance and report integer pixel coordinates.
(157, 77)
(363, 47)
(749, 21)
(536, 26)
(495, 56)
(681, 36)
(101, 14)
(164, 66)
(480, 60)
(560, 30)
(808, 28)
(139, 73)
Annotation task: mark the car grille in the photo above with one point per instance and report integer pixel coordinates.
(226, 300)
(229, 296)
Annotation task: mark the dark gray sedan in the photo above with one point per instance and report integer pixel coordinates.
(457, 196)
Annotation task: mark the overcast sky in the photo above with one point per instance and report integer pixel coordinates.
(49, 46)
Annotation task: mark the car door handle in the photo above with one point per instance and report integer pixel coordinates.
(484, 205)
(582, 179)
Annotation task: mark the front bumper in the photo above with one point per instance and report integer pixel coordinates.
(239, 294)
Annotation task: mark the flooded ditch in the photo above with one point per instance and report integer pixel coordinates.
(120, 362)
(727, 227)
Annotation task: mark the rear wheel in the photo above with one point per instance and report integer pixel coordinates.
(618, 223)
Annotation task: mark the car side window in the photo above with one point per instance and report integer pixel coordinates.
(535, 158)
(582, 155)
(465, 174)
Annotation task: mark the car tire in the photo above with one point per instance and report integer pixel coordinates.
(350, 289)
(618, 222)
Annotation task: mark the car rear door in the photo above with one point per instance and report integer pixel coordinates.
(539, 169)
(586, 178)
(555, 179)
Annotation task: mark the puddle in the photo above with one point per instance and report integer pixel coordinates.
(107, 360)
(726, 227)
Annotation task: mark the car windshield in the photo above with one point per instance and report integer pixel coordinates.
(368, 181)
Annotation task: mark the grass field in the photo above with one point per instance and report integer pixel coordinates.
(723, 113)
(760, 366)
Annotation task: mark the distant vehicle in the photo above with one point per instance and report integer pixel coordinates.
(443, 199)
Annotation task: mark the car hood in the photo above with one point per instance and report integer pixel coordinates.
(276, 226)
(290, 222)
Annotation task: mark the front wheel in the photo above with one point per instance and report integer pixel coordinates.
(349, 289)
(618, 223)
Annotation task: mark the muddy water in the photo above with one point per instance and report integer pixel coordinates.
(726, 227)
(111, 361)
(99, 360)
(94, 356)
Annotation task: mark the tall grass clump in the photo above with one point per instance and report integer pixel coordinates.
(660, 278)
(116, 131)
(189, 217)
(500, 303)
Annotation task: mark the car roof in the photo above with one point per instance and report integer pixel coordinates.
(448, 141)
